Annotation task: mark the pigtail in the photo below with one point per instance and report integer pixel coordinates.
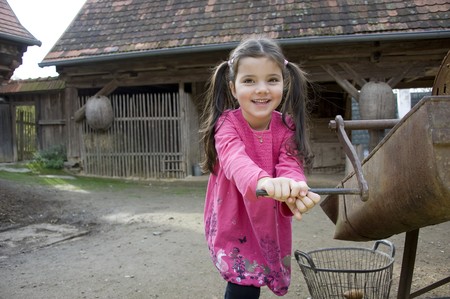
(218, 99)
(295, 104)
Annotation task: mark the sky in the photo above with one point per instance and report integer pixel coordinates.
(46, 20)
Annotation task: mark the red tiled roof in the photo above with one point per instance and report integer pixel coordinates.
(111, 27)
(11, 29)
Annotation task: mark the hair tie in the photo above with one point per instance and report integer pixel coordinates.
(286, 62)
(230, 62)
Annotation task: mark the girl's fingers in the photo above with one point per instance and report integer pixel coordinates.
(297, 215)
(309, 203)
(314, 197)
(269, 187)
(282, 191)
(299, 189)
(286, 191)
(303, 189)
(301, 206)
(277, 192)
(296, 212)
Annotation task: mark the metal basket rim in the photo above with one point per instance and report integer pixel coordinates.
(317, 269)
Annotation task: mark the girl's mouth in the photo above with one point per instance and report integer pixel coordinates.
(261, 101)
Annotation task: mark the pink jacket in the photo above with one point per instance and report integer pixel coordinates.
(250, 238)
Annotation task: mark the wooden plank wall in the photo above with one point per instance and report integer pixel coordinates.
(144, 140)
(329, 155)
(6, 134)
(50, 109)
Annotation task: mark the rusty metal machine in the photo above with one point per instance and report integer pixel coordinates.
(404, 183)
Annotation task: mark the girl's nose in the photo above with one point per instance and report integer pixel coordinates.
(262, 88)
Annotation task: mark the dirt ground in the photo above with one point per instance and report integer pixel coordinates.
(147, 242)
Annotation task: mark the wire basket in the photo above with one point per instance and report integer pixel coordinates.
(348, 273)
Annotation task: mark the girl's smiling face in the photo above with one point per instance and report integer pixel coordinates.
(258, 87)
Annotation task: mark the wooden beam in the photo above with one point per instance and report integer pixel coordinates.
(358, 79)
(347, 86)
(398, 78)
(105, 91)
(51, 122)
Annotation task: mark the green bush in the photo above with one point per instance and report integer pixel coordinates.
(51, 158)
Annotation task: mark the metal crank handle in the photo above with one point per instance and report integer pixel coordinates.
(322, 191)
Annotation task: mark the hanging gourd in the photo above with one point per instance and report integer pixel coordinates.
(377, 101)
(99, 112)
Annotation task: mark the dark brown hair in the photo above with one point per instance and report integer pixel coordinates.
(219, 98)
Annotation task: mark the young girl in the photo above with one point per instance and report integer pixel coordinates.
(249, 145)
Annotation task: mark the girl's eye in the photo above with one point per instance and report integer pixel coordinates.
(274, 80)
(248, 81)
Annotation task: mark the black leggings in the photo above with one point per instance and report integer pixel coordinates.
(235, 291)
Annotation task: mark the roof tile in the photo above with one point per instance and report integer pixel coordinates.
(12, 29)
(32, 85)
(118, 26)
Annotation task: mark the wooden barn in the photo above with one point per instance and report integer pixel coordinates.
(37, 108)
(14, 41)
(147, 64)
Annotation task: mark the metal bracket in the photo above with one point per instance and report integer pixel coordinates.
(353, 157)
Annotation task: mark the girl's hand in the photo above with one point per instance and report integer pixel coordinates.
(301, 205)
(295, 194)
(281, 188)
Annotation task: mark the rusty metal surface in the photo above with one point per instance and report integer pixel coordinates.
(353, 157)
(409, 178)
(441, 84)
(369, 124)
(321, 191)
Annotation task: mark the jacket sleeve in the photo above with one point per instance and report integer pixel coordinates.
(238, 167)
(288, 166)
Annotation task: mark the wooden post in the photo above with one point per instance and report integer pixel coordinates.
(71, 128)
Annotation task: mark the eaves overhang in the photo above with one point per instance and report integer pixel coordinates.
(309, 40)
(20, 40)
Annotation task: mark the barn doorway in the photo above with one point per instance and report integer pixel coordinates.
(25, 136)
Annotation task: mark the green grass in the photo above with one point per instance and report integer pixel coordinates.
(57, 178)
(54, 178)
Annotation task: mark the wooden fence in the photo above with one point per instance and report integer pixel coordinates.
(144, 140)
